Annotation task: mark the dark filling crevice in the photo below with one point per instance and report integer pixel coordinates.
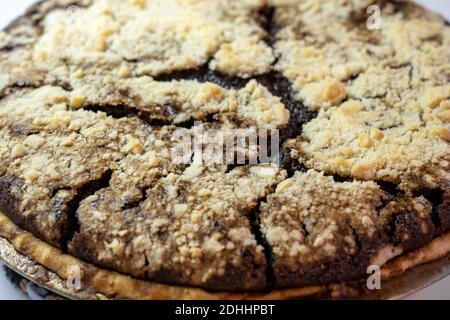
(281, 87)
(291, 165)
(18, 86)
(358, 242)
(403, 229)
(305, 230)
(121, 111)
(408, 228)
(440, 215)
(72, 224)
(12, 47)
(390, 188)
(265, 19)
(436, 198)
(115, 111)
(204, 74)
(255, 223)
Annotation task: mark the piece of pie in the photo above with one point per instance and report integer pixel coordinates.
(93, 91)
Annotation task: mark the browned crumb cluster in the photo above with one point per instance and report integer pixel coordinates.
(92, 91)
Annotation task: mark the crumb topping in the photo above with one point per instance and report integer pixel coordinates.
(382, 95)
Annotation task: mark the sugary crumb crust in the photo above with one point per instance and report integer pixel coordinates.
(92, 91)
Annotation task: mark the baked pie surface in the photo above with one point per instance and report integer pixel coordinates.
(91, 92)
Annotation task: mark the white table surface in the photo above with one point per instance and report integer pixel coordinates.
(11, 9)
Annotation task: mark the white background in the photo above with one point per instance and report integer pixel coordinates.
(10, 9)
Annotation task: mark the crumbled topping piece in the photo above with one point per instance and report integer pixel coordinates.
(322, 94)
(77, 101)
(244, 58)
